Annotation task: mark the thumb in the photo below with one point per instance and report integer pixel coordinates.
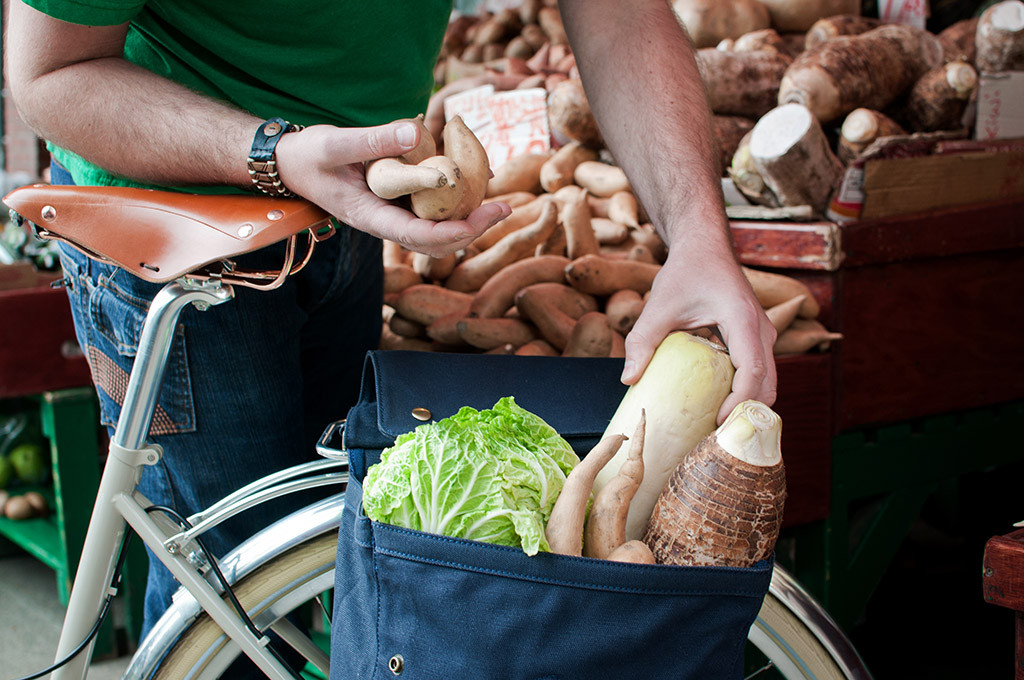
(384, 141)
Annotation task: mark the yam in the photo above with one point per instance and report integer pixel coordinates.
(800, 15)
(708, 22)
(999, 41)
(957, 40)
(427, 302)
(469, 155)
(772, 288)
(793, 156)
(577, 223)
(445, 330)
(605, 528)
(390, 178)
(622, 208)
(600, 276)
(756, 41)
(434, 268)
(520, 217)
(590, 337)
(560, 296)
(868, 70)
(601, 179)
(553, 324)
(742, 83)
(623, 309)
(519, 173)
(830, 27)
(550, 21)
(491, 333)
(802, 336)
(569, 114)
(938, 100)
(730, 131)
(537, 348)
(399, 277)
(558, 170)
(439, 203)
(608, 231)
(860, 128)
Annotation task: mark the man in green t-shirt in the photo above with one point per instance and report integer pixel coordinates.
(171, 93)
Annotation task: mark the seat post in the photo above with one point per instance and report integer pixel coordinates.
(154, 349)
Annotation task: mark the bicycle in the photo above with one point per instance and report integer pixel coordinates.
(226, 605)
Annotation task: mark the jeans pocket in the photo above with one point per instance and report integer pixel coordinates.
(114, 320)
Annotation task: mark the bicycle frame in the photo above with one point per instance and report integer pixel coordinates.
(119, 505)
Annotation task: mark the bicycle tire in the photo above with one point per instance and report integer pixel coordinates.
(794, 652)
(280, 586)
(290, 580)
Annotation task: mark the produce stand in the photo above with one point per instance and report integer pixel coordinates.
(41, 367)
(1003, 584)
(927, 383)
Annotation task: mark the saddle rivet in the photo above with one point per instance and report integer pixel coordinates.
(420, 413)
(245, 230)
(49, 213)
(275, 215)
(396, 664)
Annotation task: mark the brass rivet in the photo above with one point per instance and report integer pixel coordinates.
(396, 664)
(420, 413)
(49, 213)
(271, 129)
(245, 230)
(275, 215)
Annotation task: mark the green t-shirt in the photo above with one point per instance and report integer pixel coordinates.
(341, 62)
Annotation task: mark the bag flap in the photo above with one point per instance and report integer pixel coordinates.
(576, 396)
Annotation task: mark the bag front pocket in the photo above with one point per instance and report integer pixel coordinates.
(455, 608)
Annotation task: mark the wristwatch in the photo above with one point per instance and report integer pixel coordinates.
(262, 160)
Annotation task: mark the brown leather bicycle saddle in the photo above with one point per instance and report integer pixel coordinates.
(161, 235)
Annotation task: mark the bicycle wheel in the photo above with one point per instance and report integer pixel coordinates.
(279, 587)
(782, 646)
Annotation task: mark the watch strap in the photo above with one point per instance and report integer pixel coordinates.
(262, 161)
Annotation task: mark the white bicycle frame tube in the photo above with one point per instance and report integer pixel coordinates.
(116, 501)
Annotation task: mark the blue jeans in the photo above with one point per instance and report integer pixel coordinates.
(251, 383)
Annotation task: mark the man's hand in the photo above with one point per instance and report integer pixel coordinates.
(694, 291)
(325, 165)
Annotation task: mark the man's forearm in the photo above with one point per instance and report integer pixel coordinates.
(643, 84)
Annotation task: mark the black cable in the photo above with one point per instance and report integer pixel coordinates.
(215, 568)
(114, 583)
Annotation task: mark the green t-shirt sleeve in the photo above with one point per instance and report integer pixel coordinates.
(89, 12)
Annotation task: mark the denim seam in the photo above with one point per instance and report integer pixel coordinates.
(554, 581)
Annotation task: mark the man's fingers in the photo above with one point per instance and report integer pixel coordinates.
(383, 141)
(751, 352)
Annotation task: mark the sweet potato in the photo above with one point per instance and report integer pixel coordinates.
(783, 314)
(772, 288)
(804, 335)
(490, 333)
(519, 173)
(537, 348)
(468, 154)
(470, 274)
(557, 171)
(445, 330)
(792, 16)
(521, 216)
(406, 327)
(605, 528)
(398, 277)
(622, 208)
(554, 325)
(550, 22)
(426, 302)
(596, 275)
(633, 552)
(577, 222)
(497, 295)
(608, 231)
(440, 203)
(590, 337)
(434, 268)
(390, 178)
(623, 309)
(601, 179)
(562, 297)
(710, 21)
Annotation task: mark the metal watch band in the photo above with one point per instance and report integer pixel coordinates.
(262, 161)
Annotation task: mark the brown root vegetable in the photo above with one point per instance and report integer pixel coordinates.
(601, 179)
(40, 506)
(590, 337)
(730, 131)
(793, 156)
(783, 314)
(756, 41)
(772, 288)
(426, 302)
(723, 504)
(440, 203)
(800, 15)
(550, 21)
(406, 327)
(565, 525)
(570, 116)
(399, 277)
(529, 11)
(470, 274)
(389, 340)
(999, 41)
(957, 40)
(558, 171)
(537, 348)
(710, 21)
(434, 268)
(521, 216)
(555, 326)
(804, 335)
(623, 208)
(597, 275)
(446, 330)
(747, 178)
(519, 173)
(497, 295)
(860, 128)
(577, 223)
(462, 146)
(938, 99)
(18, 508)
(562, 297)
(608, 231)
(826, 28)
(742, 83)
(867, 70)
(514, 199)
(390, 178)
(623, 309)
(605, 529)
(490, 333)
(633, 552)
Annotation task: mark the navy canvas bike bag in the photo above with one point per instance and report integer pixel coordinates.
(420, 606)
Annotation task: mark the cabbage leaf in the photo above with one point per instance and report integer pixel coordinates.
(490, 475)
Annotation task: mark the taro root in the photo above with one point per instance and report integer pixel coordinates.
(723, 504)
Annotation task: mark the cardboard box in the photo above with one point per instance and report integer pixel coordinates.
(1000, 106)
